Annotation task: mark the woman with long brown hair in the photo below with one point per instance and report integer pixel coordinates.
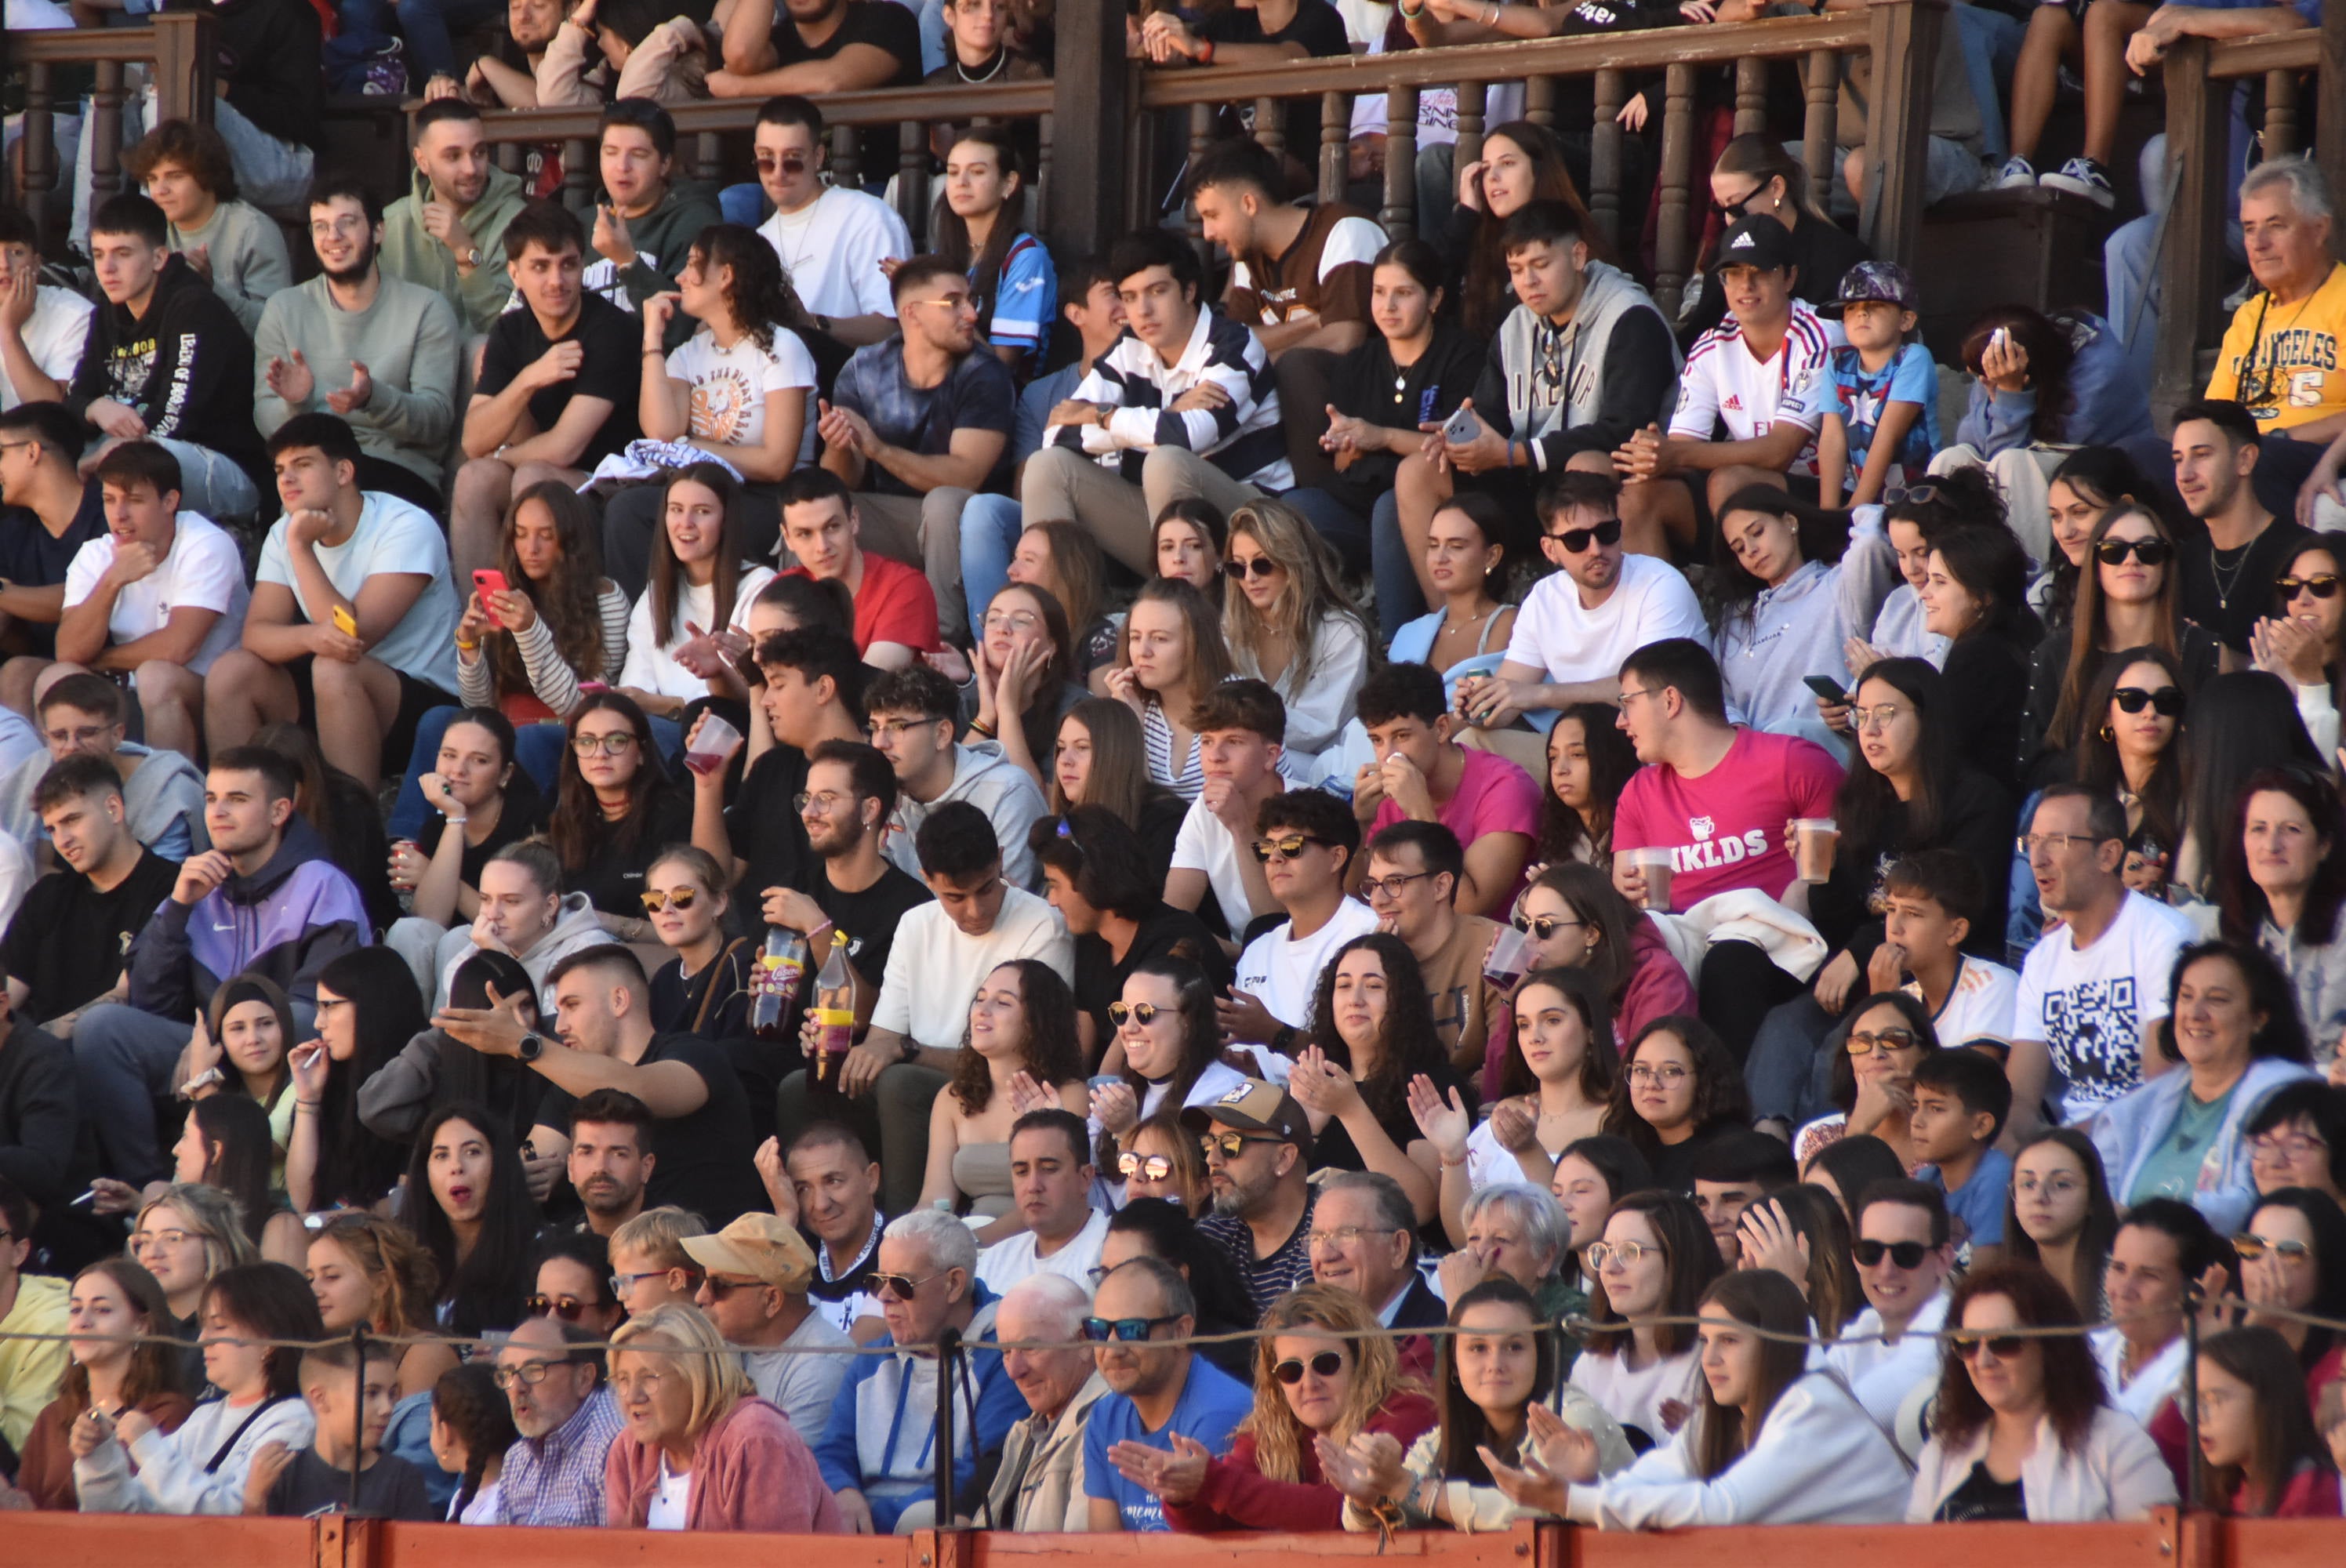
(980, 224)
(1521, 163)
(1756, 175)
(108, 1370)
(1020, 1054)
(615, 811)
(1102, 760)
(1171, 655)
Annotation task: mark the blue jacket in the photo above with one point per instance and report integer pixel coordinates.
(2109, 407)
(2128, 1128)
(883, 1442)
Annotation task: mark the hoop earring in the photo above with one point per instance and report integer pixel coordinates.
(2106, 733)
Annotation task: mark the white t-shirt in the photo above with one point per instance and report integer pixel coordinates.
(1723, 384)
(1978, 1007)
(2091, 1009)
(2140, 1396)
(1555, 633)
(1011, 1259)
(1635, 1398)
(796, 1380)
(54, 336)
(1203, 844)
(670, 1498)
(393, 535)
(831, 249)
(934, 967)
(1488, 1163)
(730, 386)
(1284, 972)
(204, 571)
(648, 665)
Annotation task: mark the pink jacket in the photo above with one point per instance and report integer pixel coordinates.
(1658, 987)
(750, 1471)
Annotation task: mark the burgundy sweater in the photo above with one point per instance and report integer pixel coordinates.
(1236, 1495)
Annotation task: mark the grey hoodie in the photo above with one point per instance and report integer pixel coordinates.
(1797, 629)
(576, 925)
(996, 786)
(163, 789)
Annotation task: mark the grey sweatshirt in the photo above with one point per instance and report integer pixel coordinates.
(996, 786)
(165, 788)
(408, 339)
(246, 250)
(1797, 629)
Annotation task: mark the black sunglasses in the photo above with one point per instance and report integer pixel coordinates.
(2149, 552)
(1904, 1254)
(2168, 700)
(1542, 926)
(1326, 1364)
(2322, 587)
(1260, 566)
(1575, 540)
(2003, 1346)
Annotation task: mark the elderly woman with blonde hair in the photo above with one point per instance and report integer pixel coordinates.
(700, 1450)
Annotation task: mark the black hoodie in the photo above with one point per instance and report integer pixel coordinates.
(268, 57)
(185, 367)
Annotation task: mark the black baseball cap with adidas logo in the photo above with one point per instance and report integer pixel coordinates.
(1759, 241)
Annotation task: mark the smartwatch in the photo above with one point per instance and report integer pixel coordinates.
(532, 1046)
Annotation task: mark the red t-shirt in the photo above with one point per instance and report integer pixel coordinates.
(895, 604)
(1494, 796)
(1726, 829)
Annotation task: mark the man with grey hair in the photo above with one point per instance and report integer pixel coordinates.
(1039, 1486)
(1166, 1402)
(553, 1473)
(1364, 1240)
(877, 1453)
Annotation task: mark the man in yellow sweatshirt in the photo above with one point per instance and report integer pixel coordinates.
(30, 1370)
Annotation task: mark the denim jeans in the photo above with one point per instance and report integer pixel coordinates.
(122, 1065)
(211, 483)
(990, 526)
(538, 749)
(1342, 528)
(427, 22)
(269, 172)
(1400, 598)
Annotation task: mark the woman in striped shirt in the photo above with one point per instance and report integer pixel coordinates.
(1171, 655)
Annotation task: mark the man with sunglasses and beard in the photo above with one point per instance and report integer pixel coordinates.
(2227, 571)
(1579, 624)
(379, 351)
(1305, 841)
(1163, 1397)
(1905, 1252)
(1258, 1145)
(878, 1453)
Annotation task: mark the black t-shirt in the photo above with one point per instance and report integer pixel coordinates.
(1982, 1497)
(763, 826)
(2229, 598)
(881, 24)
(678, 1002)
(390, 1488)
(613, 877)
(1099, 978)
(869, 917)
(516, 820)
(704, 1158)
(1333, 1150)
(68, 940)
(1372, 387)
(32, 556)
(613, 340)
(1316, 25)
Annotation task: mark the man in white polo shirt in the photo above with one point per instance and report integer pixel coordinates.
(1051, 1176)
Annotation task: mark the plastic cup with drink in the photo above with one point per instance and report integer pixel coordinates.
(714, 742)
(1510, 955)
(1814, 840)
(1653, 863)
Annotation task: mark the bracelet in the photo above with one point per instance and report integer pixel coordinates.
(1450, 1164)
(463, 647)
(650, 351)
(454, 822)
(979, 727)
(308, 1105)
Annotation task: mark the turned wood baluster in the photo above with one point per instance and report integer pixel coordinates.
(1604, 157)
(106, 132)
(1335, 132)
(1673, 241)
(1820, 90)
(1400, 213)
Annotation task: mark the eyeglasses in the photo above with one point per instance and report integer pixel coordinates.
(1343, 1235)
(623, 1283)
(1012, 621)
(2168, 700)
(1540, 928)
(900, 1286)
(1902, 1254)
(2003, 1347)
(1628, 696)
(680, 899)
(1326, 1364)
(627, 1385)
(1127, 1330)
(1141, 1013)
(2149, 552)
(1260, 566)
(1229, 1145)
(2286, 1146)
(569, 1308)
(824, 804)
(889, 729)
(1288, 847)
(142, 1240)
(1881, 716)
(2250, 1246)
(1575, 540)
(618, 743)
(2323, 586)
(1390, 887)
(720, 1288)
(1667, 1073)
(1863, 1044)
(1627, 1253)
(529, 1372)
(1147, 1168)
(2029, 843)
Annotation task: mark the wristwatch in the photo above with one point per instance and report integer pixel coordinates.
(532, 1046)
(470, 258)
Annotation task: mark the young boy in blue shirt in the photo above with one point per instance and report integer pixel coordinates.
(1882, 420)
(1960, 1099)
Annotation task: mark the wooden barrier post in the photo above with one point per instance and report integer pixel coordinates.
(2330, 146)
(184, 61)
(1090, 82)
(2190, 263)
(1905, 41)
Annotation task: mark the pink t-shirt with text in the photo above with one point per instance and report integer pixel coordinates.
(1726, 829)
(1494, 796)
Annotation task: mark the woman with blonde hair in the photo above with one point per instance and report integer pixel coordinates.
(1322, 1373)
(1291, 623)
(700, 1450)
(185, 1234)
(1170, 656)
(367, 1271)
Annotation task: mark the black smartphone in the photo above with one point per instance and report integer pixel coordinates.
(1824, 686)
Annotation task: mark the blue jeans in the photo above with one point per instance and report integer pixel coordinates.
(427, 22)
(1991, 44)
(1338, 524)
(210, 483)
(1400, 599)
(990, 526)
(935, 40)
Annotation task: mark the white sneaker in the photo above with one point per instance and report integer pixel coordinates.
(2084, 176)
(2018, 174)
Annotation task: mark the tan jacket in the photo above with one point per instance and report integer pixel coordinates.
(1040, 1486)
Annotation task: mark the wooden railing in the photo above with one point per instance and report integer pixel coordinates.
(178, 50)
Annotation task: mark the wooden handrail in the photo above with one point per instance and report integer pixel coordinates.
(879, 106)
(2232, 58)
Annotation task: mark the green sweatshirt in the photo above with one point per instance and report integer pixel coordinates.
(409, 341)
(246, 251)
(411, 253)
(665, 233)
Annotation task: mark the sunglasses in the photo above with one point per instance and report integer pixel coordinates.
(1147, 1168)
(1542, 927)
(900, 1286)
(1286, 849)
(569, 1308)
(1141, 1013)
(2324, 587)
(718, 1289)
(2003, 1347)
(2250, 1246)
(682, 899)
(2149, 552)
(2168, 700)
(1861, 1044)
(790, 165)
(1902, 1254)
(1127, 1330)
(1326, 1364)
(1239, 571)
(1229, 1145)
(1575, 540)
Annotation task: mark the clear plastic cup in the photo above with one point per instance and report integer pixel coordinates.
(1814, 840)
(1510, 956)
(713, 747)
(1654, 863)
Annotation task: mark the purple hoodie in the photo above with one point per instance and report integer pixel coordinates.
(288, 920)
